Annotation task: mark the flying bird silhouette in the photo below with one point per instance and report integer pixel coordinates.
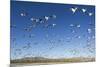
(84, 10)
(74, 9)
(78, 26)
(46, 18)
(22, 14)
(90, 14)
(53, 16)
(89, 30)
(71, 25)
(53, 25)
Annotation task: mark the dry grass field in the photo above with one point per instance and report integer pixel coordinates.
(44, 61)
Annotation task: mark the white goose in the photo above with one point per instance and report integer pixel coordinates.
(90, 14)
(46, 18)
(74, 9)
(84, 10)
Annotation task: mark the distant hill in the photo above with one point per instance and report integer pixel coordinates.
(49, 60)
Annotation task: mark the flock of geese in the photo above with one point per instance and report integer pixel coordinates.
(84, 10)
(44, 20)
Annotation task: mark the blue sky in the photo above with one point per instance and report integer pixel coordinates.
(72, 36)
